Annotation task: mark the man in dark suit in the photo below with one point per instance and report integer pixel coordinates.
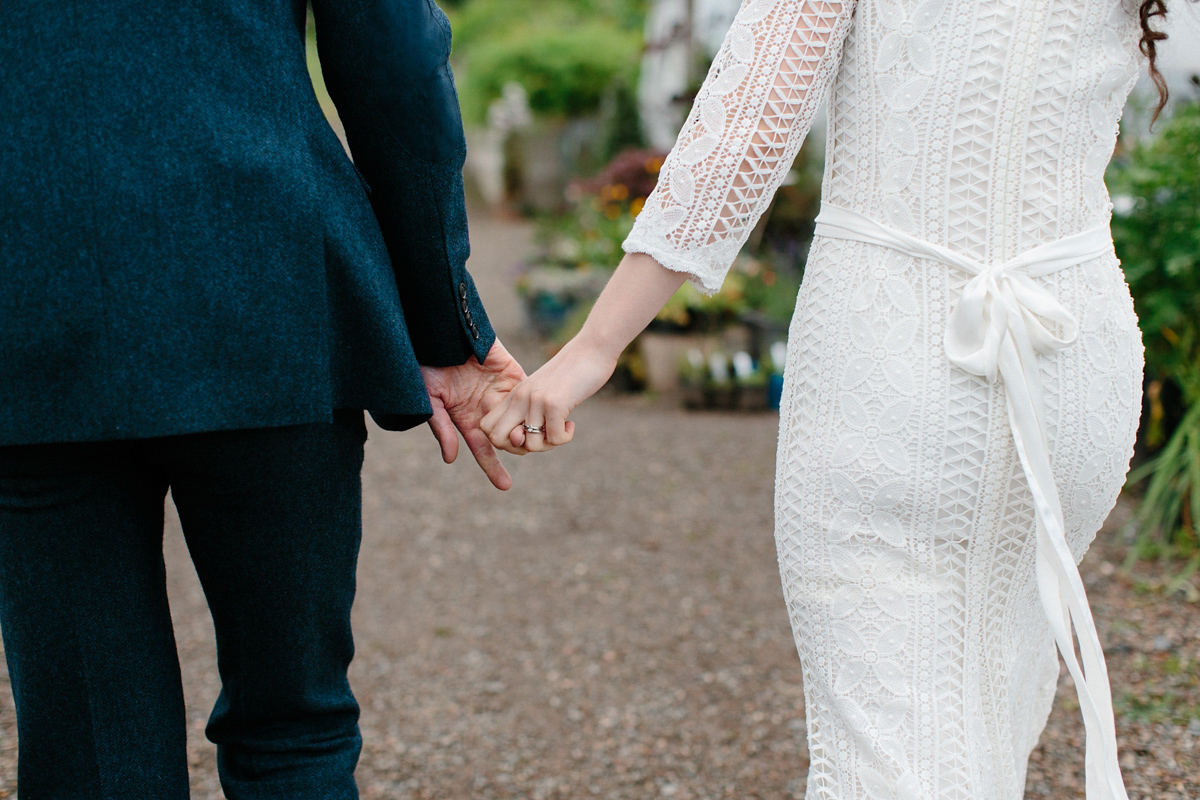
(199, 292)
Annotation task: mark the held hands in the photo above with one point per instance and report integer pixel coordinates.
(533, 418)
(461, 396)
(545, 399)
(489, 403)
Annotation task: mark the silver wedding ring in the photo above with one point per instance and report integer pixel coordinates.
(534, 428)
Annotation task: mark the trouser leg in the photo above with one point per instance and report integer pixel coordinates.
(87, 631)
(273, 522)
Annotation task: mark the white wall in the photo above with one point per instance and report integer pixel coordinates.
(667, 70)
(1181, 52)
(1178, 60)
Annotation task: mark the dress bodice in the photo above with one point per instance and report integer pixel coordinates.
(980, 125)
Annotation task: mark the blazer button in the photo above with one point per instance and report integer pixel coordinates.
(474, 331)
(462, 291)
(466, 307)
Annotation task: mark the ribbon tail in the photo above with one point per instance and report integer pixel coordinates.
(1060, 587)
(1027, 366)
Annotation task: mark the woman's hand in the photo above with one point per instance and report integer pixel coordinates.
(636, 292)
(547, 397)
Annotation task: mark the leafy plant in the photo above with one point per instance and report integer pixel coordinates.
(1156, 230)
(565, 71)
(1170, 509)
(569, 55)
(602, 212)
(752, 285)
(477, 20)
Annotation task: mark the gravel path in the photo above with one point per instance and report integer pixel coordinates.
(614, 626)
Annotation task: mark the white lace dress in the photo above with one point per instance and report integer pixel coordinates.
(964, 371)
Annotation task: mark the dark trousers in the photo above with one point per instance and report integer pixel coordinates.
(272, 520)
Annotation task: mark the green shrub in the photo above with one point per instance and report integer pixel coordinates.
(1157, 235)
(565, 71)
(566, 53)
(476, 21)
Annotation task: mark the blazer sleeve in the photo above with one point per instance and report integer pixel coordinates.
(386, 65)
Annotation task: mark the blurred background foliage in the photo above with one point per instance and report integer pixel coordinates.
(1156, 229)
(565, 72)
(565, 53)
(482, 19)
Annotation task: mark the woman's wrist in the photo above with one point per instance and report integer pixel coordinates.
(636, 293)
(594, 345)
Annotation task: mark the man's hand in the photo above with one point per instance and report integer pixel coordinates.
(461, 396)
(546, 398)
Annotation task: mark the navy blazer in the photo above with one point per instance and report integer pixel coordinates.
(184, 245)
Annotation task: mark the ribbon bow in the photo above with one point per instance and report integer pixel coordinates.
(998, 305)
(1003, 305)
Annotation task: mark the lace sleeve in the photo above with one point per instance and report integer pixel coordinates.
(744, 131)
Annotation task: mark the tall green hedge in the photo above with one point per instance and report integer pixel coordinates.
(566, 53)
(1156, 230)
(565, 71)
(476, 20)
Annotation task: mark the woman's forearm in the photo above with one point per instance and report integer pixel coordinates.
(635, 294)
(637, 291)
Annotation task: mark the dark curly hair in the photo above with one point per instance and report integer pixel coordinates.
(1147, 12)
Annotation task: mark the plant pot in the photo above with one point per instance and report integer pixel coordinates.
(550, 295)
(722, 398)
(774, 391)
(662, 353)
(541, 159)
(692, 394)
(752, 398)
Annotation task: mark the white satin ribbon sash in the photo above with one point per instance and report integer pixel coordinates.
(996, 329)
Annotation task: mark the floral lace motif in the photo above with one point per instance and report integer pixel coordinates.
(742, 135)
(904, 522)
